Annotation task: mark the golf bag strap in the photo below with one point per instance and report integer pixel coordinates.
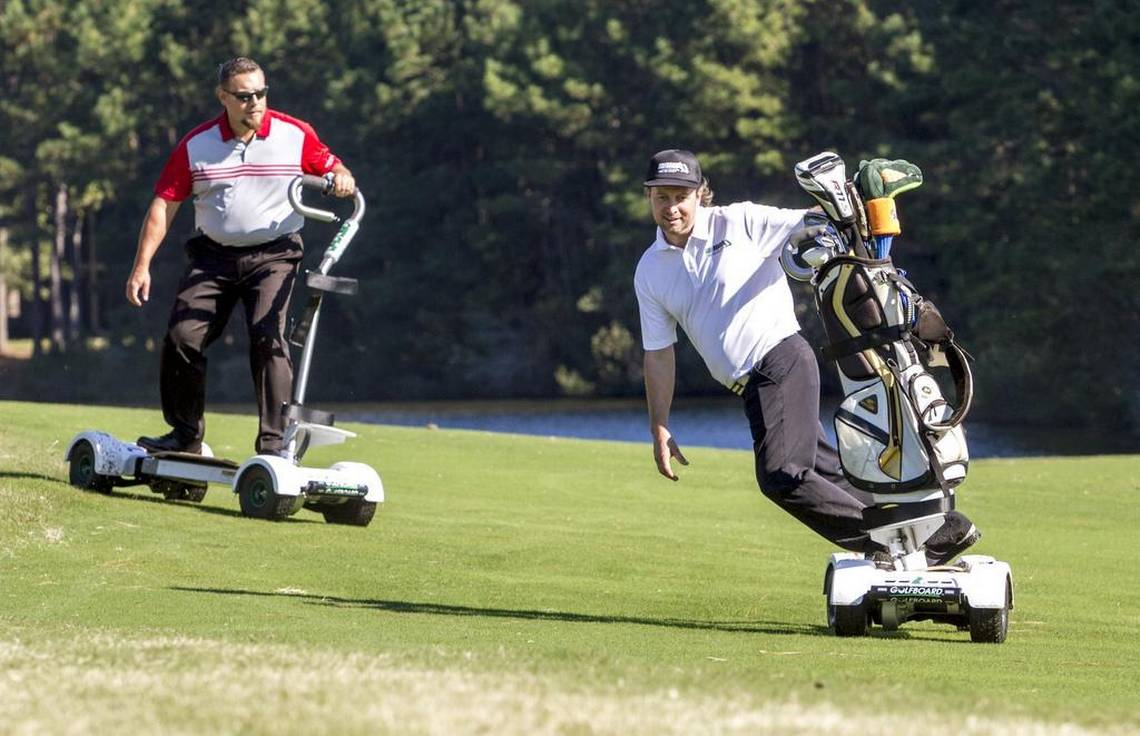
(935, 466)
(898, 278)
(871, 339)
(963, 377)
(924, 437)
(301, 329)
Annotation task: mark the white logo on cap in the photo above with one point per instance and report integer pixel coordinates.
(672, 167)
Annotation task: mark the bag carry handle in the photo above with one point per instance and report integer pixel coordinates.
(963, 377)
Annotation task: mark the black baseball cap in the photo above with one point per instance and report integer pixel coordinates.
(673, 168)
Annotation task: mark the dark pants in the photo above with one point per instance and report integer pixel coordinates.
(795, 465)
(217, 278)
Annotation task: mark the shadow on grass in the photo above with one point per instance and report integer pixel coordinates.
(128, 496)
(442, 609)
(120, 495)
(27, 476)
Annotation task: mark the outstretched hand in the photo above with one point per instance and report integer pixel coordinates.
(138, 286)
(664, 450)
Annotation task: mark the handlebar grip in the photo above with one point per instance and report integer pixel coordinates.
(316, 182)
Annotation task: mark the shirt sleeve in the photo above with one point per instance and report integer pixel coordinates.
(658, 328)
(316, 158)
(174, 183)
(769, 227)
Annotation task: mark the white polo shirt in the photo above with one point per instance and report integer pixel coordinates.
(240, 189)
(725, 287)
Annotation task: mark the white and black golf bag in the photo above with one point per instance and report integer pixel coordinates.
(896, 430)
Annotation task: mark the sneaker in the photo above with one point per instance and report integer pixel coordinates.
(877, 554)
(951, 539)
(169, 442)
(882, 559)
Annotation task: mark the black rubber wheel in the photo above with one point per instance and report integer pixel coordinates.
(259, 499)
(357, 512)
(844, 620)
(81, 472)
(849, 620)
(989, 625)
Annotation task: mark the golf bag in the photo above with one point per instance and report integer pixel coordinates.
(895, 429)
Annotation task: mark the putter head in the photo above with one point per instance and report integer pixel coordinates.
(824, 176)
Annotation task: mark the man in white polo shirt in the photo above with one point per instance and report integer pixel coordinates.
(246, 250)
(715, 271)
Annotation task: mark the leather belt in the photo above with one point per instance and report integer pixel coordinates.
(739, 386)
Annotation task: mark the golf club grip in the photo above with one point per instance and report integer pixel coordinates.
(316, 182)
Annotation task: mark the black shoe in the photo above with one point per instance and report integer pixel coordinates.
(951, 539)
(882, 559)
(878, 554)
(170, 442)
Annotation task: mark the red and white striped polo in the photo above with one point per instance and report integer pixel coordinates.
(240, 189)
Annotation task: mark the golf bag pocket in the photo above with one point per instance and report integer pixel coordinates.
(932, 408)
(880, 446)
(946, 436)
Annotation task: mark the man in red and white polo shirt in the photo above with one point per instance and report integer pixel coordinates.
(246, 250)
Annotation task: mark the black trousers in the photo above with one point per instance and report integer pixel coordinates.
(217, 278)
(795, 465)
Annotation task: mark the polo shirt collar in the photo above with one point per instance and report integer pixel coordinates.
(701, 224)
(700, 230)
(228, 132)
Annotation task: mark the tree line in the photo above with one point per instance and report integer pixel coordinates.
(501, 146)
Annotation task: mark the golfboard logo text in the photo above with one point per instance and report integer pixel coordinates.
(672, 167)
(335, 489)
(917, 592)
(914, 590)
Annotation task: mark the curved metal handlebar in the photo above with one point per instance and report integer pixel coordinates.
(324, 185)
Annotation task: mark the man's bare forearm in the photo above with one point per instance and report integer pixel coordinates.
(154, 228)
(660, 374)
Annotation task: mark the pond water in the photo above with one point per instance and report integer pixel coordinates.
(694, 423)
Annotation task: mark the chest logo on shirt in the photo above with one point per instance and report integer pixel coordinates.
(719, 246)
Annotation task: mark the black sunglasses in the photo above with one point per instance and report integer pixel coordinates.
(246, 97)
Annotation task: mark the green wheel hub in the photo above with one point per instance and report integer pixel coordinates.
(259, 492)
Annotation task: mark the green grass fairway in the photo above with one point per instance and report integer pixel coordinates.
(533, 585)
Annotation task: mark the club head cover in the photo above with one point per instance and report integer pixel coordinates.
(881, 177)
(824, 177)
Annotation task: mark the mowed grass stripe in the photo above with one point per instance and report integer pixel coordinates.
(189, 685)
(569, 565)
